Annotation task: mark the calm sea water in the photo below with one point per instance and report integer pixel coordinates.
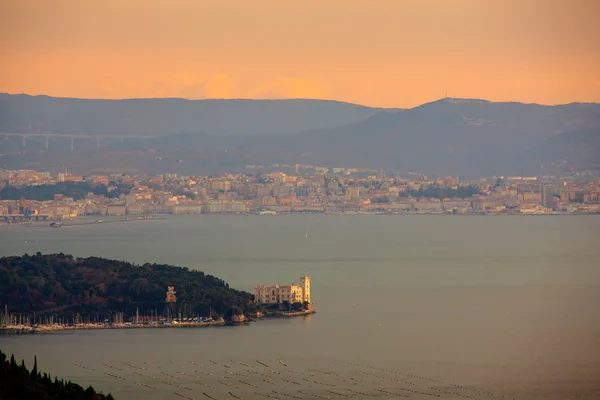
(479, 307)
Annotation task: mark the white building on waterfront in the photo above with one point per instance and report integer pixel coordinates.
(277, 294)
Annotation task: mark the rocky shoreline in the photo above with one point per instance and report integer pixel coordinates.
(288, 314)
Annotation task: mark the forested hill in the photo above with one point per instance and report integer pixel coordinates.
(17, 382)
(60, 284)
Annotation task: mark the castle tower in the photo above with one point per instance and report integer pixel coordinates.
(171, 298)
(305, 283)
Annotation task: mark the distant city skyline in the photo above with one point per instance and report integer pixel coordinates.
(386, 54)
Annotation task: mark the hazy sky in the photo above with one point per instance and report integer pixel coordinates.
(375, 52)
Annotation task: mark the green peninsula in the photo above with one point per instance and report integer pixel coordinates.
(59, 288)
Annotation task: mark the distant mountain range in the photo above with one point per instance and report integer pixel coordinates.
(465, 137)
(163, 117)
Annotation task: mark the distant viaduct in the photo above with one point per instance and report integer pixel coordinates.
(72, 136)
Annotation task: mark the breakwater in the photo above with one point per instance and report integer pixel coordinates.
(278, 314)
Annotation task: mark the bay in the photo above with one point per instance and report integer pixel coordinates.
(480, 306)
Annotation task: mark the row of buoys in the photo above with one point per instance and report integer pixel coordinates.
(455, 394)
(170, 375)
(234, 396)
(268, 395)
(185, 397)
(147, 386)
(319, 383)
(299, 372)
(316, 396)
(287, 395)
(210, 397)
(361, 393)
(259, 373)
(262, 363)
(393, 394)
(83, 366)
(248, 383)
(241, 363)
(132, 366)
(172, 384)
(272, 371)
(112, 366)
(204, 384)
(378, 376)
(351, 381)
(340, 394)
(227, 384)
(191, 376)
(483, 392)
(115, 376)
(304, 373)
(322, 372)
(238, 374)
(201, 372)
(355, 383)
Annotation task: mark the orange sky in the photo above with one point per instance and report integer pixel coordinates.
(392, 53)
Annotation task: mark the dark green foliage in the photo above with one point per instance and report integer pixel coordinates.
(297, 306)
(76, 190)
(61, 285)
(16, 382)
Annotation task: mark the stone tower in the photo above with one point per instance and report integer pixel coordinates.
(171, 298)
(305, 283)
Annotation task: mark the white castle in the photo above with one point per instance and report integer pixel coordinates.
(277, 294)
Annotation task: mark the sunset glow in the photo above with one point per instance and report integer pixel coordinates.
(390, 53)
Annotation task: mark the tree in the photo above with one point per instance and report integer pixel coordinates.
(34, 371)
(89, 392)
(297, 306)
(286, 305)
(16, 382)
(41, 284)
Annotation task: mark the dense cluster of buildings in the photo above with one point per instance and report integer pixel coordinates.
(321, 191)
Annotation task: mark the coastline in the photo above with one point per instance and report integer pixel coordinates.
(24, 329)
(288, 314)
(38, 225)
